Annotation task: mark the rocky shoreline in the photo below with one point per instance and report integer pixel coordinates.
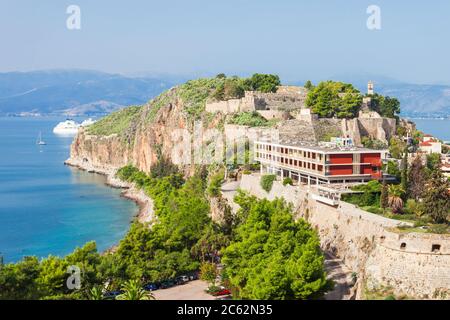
(145, 203)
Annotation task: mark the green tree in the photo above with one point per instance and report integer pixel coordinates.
(267, 181)
(433, 161)
(385, 106)
(18, 281)
(396, 147)
(331, 98)
(133, 291)
(395, 195)
(262, 82)
(215, 184)
(308, 85)
(273, 256)
(393, 169)
(436, 199)
(209, 272)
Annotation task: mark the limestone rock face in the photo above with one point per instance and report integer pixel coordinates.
(152, 130)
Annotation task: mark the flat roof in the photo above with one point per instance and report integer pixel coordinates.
(311, 146)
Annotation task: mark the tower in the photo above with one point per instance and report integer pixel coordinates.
(370, 90)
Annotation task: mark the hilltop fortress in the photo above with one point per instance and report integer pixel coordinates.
(289, 104)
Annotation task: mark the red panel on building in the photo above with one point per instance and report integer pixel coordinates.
(340, 170)
(341, 158)
(372, 158)
(366, 169)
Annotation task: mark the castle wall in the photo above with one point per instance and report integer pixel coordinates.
(366, 244)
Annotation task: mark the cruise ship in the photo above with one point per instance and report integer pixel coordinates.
(68, 127)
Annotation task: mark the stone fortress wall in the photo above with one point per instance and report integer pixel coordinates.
(288, 103)
(415, 264)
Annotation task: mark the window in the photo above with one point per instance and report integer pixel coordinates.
(436, 248)
(403, 246)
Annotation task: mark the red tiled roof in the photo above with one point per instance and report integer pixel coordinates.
(425, 144)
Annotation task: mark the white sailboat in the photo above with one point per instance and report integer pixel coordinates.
(40, 141)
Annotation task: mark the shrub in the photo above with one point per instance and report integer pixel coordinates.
(414, 207)
(287, 181)
(439, 228)
(116, 123)
(215, 184)
(267, 182)
(252, 119)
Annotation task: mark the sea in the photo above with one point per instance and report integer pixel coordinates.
(47, 208)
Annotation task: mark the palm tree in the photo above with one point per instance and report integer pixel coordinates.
(395, 193)
(96, 293)
(133, 291)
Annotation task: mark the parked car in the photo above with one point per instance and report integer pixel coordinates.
(111, 295)
(193, 275)
(182, 279)
(167, 284)
(152, 286)
(222, 292)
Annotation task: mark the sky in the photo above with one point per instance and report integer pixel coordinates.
(297, 39)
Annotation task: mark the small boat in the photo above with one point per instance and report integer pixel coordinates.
(40, 141)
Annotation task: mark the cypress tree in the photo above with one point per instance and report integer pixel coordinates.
(384, 201)
(404, 176)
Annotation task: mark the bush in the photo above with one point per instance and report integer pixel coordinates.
(215, 184)
(439, 228)
(116, 123)
(287, 181)
(252, 119)
(414, 207)
(267, 182)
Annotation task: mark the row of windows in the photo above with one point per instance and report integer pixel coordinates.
(290, 151)
(291, 162)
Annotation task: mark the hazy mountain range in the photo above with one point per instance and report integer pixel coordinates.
(81, 92)
(74, 91)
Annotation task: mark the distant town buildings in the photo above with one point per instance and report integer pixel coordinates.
(429, 145)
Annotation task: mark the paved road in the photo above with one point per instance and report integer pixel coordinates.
(193, 290)
(342, 277)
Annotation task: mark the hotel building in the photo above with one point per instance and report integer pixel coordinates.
(324, 163)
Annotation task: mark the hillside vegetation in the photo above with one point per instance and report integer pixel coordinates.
(193, 95)
(116, 123)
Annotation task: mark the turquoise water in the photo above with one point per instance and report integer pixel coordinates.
(436, 127)
(46, 207)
